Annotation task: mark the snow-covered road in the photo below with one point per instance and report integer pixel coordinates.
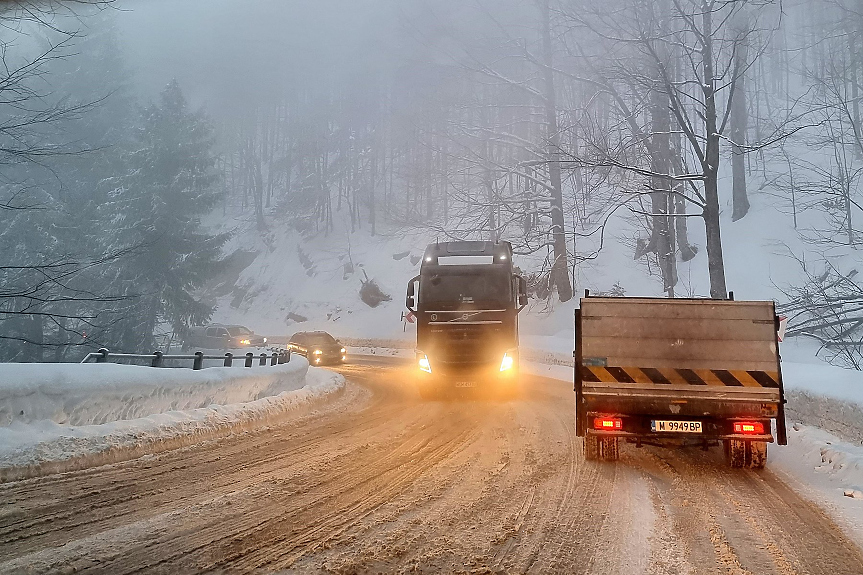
(375, 480)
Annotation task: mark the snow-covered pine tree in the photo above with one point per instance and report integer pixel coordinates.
(156, 208)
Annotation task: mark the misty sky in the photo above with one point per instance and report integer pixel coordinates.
(221, 50)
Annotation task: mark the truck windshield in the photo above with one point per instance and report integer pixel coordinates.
(488, 287)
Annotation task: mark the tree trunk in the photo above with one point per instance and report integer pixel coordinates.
(560, 267)
(259, 193)
(661, 163)
(710, 167)
(739, 121)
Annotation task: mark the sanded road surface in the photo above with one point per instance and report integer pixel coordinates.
(377, 481)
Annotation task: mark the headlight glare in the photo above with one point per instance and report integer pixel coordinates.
(507, 362)
(424, 364)
(318, 352)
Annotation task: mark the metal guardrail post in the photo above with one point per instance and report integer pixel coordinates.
(274, 358)
(281, 357)
(229, 359)
(249, 357)
(157, 359)
(104, 357)
(287, 356)
(263, 359)
(199, 360)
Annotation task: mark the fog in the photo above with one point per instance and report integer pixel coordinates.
(633, 147)
(225, 52)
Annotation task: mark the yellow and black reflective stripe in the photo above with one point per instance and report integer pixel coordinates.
(669, 376)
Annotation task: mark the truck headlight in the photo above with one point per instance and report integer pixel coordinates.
(506, 363)
(343, 350)
(265, 340)
(424, 364)
(245, 342)
(318, 352)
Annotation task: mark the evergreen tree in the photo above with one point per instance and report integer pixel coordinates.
(156, 209)
(77, 117)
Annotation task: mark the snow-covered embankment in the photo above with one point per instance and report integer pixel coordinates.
(64, 416)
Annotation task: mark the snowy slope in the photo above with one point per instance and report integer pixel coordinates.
(294, 276)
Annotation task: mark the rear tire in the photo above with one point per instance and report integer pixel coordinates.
(756, 454)
(735, 452)
(591, 448)
(609, 448)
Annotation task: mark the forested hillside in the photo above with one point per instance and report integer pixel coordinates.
(663, 142)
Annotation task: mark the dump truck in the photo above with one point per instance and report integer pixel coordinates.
(678, 371)
(466, 300)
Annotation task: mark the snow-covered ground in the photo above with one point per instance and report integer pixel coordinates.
(57, 412)
(826, 470)
(821, 466)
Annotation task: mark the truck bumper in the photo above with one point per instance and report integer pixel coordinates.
(638, 427)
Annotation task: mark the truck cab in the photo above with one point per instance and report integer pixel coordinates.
(466, 299)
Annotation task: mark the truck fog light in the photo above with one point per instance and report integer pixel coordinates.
(424, 364)
(506, 363)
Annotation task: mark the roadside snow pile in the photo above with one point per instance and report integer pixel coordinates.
(829, 468)
(827, 397)
(59, 412)
(825, 380)
(90, 393)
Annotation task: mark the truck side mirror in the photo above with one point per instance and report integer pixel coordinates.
(410, 299)
(522, 292)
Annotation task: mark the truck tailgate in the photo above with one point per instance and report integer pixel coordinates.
(687, 357)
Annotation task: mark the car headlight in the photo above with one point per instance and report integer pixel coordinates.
(265, 340)
(318, 352)
(507, 362)
(343, 350)
(424, 364)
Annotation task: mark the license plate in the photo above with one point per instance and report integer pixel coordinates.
(662, 425)
(465, 384)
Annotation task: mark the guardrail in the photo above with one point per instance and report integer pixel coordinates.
(157, 359)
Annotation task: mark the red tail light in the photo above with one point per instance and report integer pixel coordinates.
(608, 423)
(749, 427)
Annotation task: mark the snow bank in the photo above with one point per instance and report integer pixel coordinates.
(827, 469)
(830, 398)
(824, 380)
(96, 413)
(88, 394)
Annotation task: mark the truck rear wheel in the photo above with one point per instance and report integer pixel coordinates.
(756, 454)
(609, 448)
(735, 452)
(591, 447)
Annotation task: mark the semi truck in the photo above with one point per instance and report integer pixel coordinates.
(466, 300)
(678, 371)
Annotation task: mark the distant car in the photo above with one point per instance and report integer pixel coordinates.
(318, 346)
(221, 336)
